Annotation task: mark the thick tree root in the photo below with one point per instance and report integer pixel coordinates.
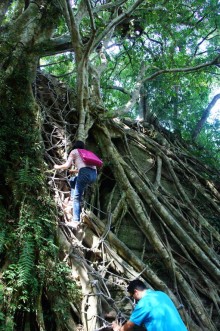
(144, 218)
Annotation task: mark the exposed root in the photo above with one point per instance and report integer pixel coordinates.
(148, 216)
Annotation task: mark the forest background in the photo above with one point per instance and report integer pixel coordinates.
(135, 80)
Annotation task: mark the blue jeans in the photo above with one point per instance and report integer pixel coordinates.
(78, 185)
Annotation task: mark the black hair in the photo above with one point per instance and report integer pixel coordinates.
(79, 144)
(136, 284)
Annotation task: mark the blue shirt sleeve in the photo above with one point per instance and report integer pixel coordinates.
(140, 313)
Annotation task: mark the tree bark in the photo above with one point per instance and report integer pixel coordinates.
(204, 117)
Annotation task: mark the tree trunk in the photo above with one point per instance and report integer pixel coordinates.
(204, 117)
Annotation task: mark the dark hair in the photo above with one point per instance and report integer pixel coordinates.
(79, 144)
(136, 285)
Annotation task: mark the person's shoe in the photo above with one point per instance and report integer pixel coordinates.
(80, 232)
(73, 224)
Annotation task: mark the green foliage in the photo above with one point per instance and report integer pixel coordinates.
(62, 287)
(3, 236)
(26, 261)
(13, 11)
(1, 303)
(23, 279)
(33, 233)
(28, 178)
(61, 27)
(207, 145)
(59, 280)
(174, 35)
(6, 236)
(2, 221)
(62, 66)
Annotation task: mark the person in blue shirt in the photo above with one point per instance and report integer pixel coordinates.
(154, 309)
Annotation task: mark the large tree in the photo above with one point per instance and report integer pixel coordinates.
(86, 69)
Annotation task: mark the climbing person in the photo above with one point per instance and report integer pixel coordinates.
(84, 175)
(154, 309)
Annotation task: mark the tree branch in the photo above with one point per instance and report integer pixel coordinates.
(55, 46)
(3, 9)
(204, 117)
(119, 88)
(216, 61)
(108, 6)
(116, 21)
(73, 28)
(204, 39)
